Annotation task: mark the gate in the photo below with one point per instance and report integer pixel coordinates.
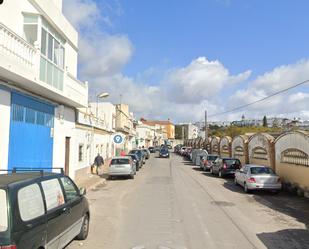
(31, 132)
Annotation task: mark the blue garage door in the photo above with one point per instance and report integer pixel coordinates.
(31, 141)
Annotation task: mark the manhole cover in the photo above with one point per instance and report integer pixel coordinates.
(223, 203)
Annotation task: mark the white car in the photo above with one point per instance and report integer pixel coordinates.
(122, 166)
(257, 177)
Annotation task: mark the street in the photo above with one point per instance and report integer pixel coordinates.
(171, 204)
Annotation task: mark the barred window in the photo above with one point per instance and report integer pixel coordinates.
(239, 151)
(260, 153)
(295, 156)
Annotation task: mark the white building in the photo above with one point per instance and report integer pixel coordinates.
(39, 91)
(145, 134)
(94, 134)
(189, 131)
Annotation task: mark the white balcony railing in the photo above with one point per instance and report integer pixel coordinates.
(17, 48)
(20, 58)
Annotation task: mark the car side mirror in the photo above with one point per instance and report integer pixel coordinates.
(82, 191)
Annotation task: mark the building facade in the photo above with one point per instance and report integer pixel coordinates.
(39, 91)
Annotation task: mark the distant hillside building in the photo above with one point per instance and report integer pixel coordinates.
(168, 126)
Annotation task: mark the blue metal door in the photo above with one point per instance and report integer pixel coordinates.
(31, 127)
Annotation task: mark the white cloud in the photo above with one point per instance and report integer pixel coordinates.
(200, 80)
(279, 78)
(100, 54)
(81, 13)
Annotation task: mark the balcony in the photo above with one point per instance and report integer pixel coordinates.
(20, 66)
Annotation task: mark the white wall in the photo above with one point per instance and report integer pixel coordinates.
(5, 108)
(11, 14)
(64, 127)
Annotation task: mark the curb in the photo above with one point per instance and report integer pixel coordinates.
(95, 185)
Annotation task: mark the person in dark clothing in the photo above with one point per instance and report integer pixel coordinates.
(98, 162)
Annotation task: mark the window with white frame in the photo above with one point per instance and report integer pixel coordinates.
(52, 56)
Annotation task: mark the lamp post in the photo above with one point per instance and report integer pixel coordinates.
(100, 96)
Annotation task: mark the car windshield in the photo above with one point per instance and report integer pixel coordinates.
(164, 150)
(3, 211)
(261, 171)
(120, 161)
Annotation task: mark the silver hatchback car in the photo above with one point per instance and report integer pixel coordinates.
(256, 177)
(122, 166)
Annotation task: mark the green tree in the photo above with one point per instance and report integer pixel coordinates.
(265, 121)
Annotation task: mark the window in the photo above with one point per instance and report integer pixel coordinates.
(120, 161)
(31, 28)
(43, 41)
(30, 202)
(81, 153)
(52, 57)
(3, 211)
(69, 188)
(53, 193)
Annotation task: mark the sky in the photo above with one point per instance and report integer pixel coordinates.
(174, 59)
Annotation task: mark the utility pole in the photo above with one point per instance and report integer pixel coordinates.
(206, 129)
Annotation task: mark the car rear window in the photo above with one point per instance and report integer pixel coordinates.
(232, 161)
(261, 171)
(120, 161)
(3, 211)
(212, 158)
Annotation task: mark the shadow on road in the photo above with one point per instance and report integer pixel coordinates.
(286, 239)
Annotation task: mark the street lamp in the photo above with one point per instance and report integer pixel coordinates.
(100, 96)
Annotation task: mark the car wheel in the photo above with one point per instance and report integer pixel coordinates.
(83, 234)
(246, 188)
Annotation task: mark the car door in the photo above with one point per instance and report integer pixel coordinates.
(74, 209)
(243, 175)
(56, 211)
(28, 216)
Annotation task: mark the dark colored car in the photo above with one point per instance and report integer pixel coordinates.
(146, 152)
(140, 154)
(136, 160)
(164, 153)
(152, 149)
(225, 166)
(41, 210)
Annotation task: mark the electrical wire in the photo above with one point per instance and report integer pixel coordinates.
(260, 100)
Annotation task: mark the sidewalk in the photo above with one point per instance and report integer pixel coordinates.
(91, 181)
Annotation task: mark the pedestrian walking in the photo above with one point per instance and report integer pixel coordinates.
(98, 162)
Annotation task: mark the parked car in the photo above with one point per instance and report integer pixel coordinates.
(182, 150)
(164, 153)
(151, 149)
(225, 166)
(257, 177)
(41, 210)
(136, 160)
(140, 154)
(147, 153)
(207, 161)
(197, 155)
(122, 166)
(177, 148)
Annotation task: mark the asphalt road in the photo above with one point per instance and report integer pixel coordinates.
(171, 204)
